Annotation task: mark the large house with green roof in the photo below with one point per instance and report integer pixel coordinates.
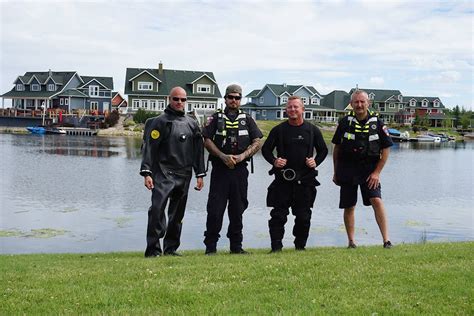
(149, 88)
(65, 90)
(269, 102)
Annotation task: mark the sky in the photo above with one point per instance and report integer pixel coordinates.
(422, 48)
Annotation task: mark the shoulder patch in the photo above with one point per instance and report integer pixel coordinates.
(385, 130)
(209, 120)
(155, 134)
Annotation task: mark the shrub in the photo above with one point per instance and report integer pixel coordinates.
(112, 118)
(141, 116)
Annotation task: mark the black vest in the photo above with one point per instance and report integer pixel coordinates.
(232, 137)
(361, 142)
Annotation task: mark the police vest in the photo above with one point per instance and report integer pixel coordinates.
(232, 137)
(360, 142)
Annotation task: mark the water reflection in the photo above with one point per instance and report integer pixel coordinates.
(89, 189)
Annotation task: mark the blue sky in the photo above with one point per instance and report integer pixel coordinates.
(422, 48)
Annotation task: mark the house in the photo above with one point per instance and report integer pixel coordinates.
(430, 108)
(334, 105)
(269, 102)
(119, 103)
(385, 102)
(65, 90)
(149, 89)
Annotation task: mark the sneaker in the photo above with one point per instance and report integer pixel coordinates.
(276, 250)
(352, 245)
(210, 251)
(239, 252)
(387, 244)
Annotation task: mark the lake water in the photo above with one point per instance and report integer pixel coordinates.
(83, 194)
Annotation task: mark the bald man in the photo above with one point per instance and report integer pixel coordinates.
(172, 148)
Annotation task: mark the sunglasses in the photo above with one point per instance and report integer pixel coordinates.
(176, 99)
(234, 97)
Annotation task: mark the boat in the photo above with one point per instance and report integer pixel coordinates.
(36, 129)
(443, 137)
(468, 136)
(398, 136)
(426, 139)
(45, 130)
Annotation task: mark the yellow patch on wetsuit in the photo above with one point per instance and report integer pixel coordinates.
(155, 134)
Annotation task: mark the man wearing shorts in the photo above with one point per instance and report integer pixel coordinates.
(362, 145)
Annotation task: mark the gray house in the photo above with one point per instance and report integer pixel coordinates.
(269, 102)
(65, 90)
(149, 88)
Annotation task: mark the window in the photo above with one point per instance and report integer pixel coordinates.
(212, 106)
(20, 87)
(145, 86)
(400, 106)
(305, 100)
(51, 87)
(391, 105)
(371, 96)
(94, 105)
(424, 103)
(136, 104)
(307, 115)
(66, 101)
(204, 88)
(436, 103)
(35, 87)
(264, 112)
(94, 91)
(284, 100)
(262, 100)
(61, 101)
(412, 103)
(161, 105)
(153, 105)
(144, 104)
(315, 101)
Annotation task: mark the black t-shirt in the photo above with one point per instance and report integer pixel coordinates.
(293, 142)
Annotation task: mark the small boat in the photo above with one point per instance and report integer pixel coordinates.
(36, 129)
(443, 137)
(426, 139)
(468, 136)
(55, 130)
(398, 136)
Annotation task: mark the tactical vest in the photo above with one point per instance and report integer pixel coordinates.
(361, 142)
(232, 137)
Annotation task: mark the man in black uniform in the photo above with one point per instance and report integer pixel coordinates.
(295, 173)
(231, 137)
(362, 145)
(172, 147)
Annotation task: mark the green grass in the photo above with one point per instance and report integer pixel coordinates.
(266, 126)
(408, 279)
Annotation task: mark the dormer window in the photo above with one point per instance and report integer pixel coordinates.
(305, 100)
(412, 103)
(424, 103)
(35, 87)
(51, 87)
(93, 91)
(283, 100)
(20, 87)
(315, 101)
(436, 104)
(204, 88)
(145, 86)
(371, 96)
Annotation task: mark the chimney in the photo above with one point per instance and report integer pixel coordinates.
(50, 73)
(160, 68)
(284, 84)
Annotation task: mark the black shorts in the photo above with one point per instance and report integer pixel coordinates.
(348, 195)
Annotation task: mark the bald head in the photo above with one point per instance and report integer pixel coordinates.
(178, 99)
(177, 90)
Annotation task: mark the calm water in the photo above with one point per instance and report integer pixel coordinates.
(84, 194)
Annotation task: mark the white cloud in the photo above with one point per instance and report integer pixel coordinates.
(326, 43)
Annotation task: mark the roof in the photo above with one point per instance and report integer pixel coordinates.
(337, 100)
(279, 89)
(107, 82)
(72, 93)
(253, 94)
(380, 94)
(60, 77)
(419, 99)
(169, 79)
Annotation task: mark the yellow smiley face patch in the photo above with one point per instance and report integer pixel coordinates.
(155, 134)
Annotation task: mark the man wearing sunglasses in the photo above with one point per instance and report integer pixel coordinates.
(232, 138)
(172, 148)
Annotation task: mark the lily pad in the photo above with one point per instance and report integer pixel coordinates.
(10, 233)
(44, 233)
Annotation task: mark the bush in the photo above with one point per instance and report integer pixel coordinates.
(112, 118)
(141, 116)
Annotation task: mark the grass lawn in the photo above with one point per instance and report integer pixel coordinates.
(266, 126)
(433, 278)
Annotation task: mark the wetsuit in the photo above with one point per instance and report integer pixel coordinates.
(172, 148)
(295, 185)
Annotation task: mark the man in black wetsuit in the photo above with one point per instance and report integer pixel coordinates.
(295, 173)
(172, 148)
